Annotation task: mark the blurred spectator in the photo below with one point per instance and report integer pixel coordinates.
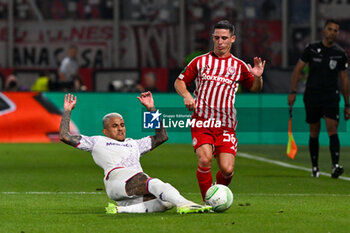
(11, 84)
(42, 82)
(125, 85)
(116, 86)
(149, 83)
(68, 71)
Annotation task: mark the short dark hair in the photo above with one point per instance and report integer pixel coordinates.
(225, 24)
(73, 46)
(330, 21)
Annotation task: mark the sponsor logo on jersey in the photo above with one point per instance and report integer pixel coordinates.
(217, 78)
(117, 144)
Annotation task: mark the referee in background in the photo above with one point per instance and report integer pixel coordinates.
(326, 61)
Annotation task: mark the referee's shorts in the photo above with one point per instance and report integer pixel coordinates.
(314, 112)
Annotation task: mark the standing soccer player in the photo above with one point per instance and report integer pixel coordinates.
(217, 75)
(119, 157)
(326, 61)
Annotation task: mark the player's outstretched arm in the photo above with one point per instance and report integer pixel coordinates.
(161, 136)
(257, 71)
(65, 136)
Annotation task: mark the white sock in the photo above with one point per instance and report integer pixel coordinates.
(154, 205)
(166, 192)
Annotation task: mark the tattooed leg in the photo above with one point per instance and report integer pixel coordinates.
(137, 186)
(162, 191)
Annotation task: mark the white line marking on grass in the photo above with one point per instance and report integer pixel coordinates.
(54, 193)
(283, 164)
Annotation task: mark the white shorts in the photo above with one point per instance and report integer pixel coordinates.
(115, 186)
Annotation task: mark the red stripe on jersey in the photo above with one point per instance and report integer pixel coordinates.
(213, 91)
(206, 95)
(222, 98)
(202, 86)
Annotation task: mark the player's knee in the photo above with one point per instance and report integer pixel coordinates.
(227, 170)
(168, 186)
(205, 156)
(204, 159)
(204, 162)
(156, 182)
(160, 184)
(332, 130)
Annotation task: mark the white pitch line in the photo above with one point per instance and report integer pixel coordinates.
(283, 164)
(244, 155)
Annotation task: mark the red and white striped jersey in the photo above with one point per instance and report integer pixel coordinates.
(216, 82)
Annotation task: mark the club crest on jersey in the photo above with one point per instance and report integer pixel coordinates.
(231, 70)
(194, 141)
(207, 69)
(332, 64)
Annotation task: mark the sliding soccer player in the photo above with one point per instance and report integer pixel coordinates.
(119, 157)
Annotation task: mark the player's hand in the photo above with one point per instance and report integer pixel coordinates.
(146, 100)
(291, 99)
(346, 113)
(69, 102)
(190, 103)
(258, 68)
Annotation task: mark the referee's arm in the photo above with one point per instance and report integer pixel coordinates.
(295, 78)
(345, 89)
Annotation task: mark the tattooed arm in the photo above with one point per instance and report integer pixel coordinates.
(161, 135)
(65, 136)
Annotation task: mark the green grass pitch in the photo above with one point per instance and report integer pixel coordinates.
(56, 188)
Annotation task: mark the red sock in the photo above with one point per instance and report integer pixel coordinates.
(224, 180)
(205, 179)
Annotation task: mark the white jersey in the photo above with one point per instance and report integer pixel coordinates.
(69, 67)
(109, 153)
